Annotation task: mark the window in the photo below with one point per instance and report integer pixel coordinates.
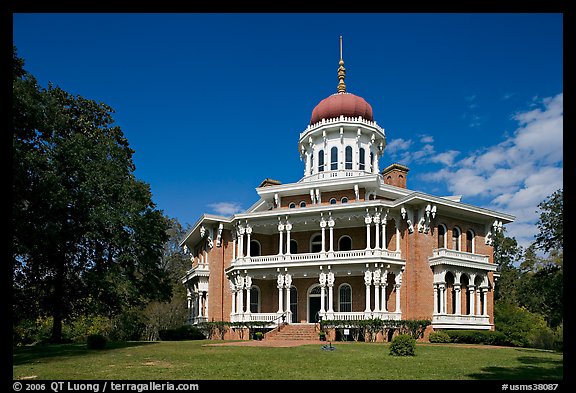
(456, 239)
(441, 236)
(334, 158)
(333, 201)
(312, 163)
(344, 200)
(292, 205)
(254, 299)
(255, 250)
(316, 243)
(302, 204)
(362, 159)
(371, 162)
(469, 241)
(293, 246)
(348, 157)
(345, 243)
(345, 298)
(321, 161)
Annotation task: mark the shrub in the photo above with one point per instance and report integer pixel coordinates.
(403, 345)
(96, 341)
(186, 332)
(439, 337)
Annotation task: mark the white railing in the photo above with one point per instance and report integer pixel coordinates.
(351, 255)
(461, 321)
(468, 256)
(361, 315)
(331, 174)
(271, 317)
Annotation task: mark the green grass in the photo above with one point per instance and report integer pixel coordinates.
(194, 360)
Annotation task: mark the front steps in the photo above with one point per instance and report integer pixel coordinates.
(304, 331)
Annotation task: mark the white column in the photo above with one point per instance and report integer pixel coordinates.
(249, 233)
(330, 283)
(233, 291)
(442, 288)
(233, 245)
(248, 285)
(322, 280)
(331, 226)
(376, 277)
(240, 286)
(323, 228)
(384, 245)
(367, 282)
(241, 231)
(280, 286)
(478, 302)
(398, 286)
(472, 303)
(458, 296)
(287, 284)
(435, 298)
(383, 287)
(288, 229)
(281, 240)
(367, 221)
(376, 220)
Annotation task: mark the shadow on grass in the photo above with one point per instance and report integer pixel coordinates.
(30, 354)
(532, 368)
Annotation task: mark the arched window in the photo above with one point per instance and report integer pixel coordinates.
(333, 201)
(345, 298)
(334, 158)
(344, 200)
(294, 303)
(293, 246)
(312, 163)
(362, 159)
(302, 204)
(345, 243)
(348, 157)
(254, 299)
(292, 205)
(321, 161)
(316, 243)
(441, 236)
(469, 240)
(371, 162)
(456, 239)
(255, 250)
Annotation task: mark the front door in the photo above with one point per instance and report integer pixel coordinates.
(313, 309)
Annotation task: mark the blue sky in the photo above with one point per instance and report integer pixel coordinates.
(213, 104)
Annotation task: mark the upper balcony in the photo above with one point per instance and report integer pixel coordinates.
(352, 256)
(445, 256)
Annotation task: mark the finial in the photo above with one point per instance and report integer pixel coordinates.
(341, 72)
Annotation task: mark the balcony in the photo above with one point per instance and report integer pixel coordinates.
(445, 256)
(367, 256)
(453, 321)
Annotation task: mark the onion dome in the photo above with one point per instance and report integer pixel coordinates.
(341, 103)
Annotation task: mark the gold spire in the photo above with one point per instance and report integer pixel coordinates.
(341, 72)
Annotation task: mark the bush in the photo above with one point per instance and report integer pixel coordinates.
(403, 345)
(186, 332)
(439, 337)
(96, 341)
(487, 337)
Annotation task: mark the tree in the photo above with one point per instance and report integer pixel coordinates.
(87, 237)
(507, 253)
(551, 223)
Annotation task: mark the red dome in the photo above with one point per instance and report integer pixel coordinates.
(342, 104)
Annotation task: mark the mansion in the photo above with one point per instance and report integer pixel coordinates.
(347, 241)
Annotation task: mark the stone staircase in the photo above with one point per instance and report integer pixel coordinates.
(294, 332)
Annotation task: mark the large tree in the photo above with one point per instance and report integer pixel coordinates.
(87, 237)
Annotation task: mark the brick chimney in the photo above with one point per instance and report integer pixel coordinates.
(395, 175)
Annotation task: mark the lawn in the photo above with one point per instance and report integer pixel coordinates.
(194, 360)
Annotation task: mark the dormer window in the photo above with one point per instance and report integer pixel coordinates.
(292, 205)
(302, 204)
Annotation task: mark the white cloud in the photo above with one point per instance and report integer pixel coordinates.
(226, 208)
(516, 175)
